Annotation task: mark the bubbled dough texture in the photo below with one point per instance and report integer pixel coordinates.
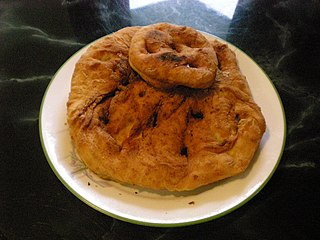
(167, 55)
(179, 139)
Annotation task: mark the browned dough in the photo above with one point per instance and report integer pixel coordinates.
(177, 138)
(167, 55)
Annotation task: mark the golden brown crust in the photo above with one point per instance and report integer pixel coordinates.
(126, 130)
(167, 55)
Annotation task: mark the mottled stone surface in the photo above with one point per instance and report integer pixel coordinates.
(37, 37)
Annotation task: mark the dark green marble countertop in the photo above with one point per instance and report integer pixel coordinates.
(38, 36)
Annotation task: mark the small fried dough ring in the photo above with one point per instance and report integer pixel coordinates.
(167, 55)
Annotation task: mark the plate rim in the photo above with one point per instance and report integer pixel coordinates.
(155, 224)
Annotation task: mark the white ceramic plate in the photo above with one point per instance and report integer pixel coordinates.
(161, 208)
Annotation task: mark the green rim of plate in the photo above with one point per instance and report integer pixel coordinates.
(153, 224)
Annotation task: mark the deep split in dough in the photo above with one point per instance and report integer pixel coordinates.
(161, 135)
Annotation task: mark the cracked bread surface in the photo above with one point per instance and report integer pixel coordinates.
(180, 138)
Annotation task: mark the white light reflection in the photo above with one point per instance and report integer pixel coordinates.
(224, 7)
(142, 3)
